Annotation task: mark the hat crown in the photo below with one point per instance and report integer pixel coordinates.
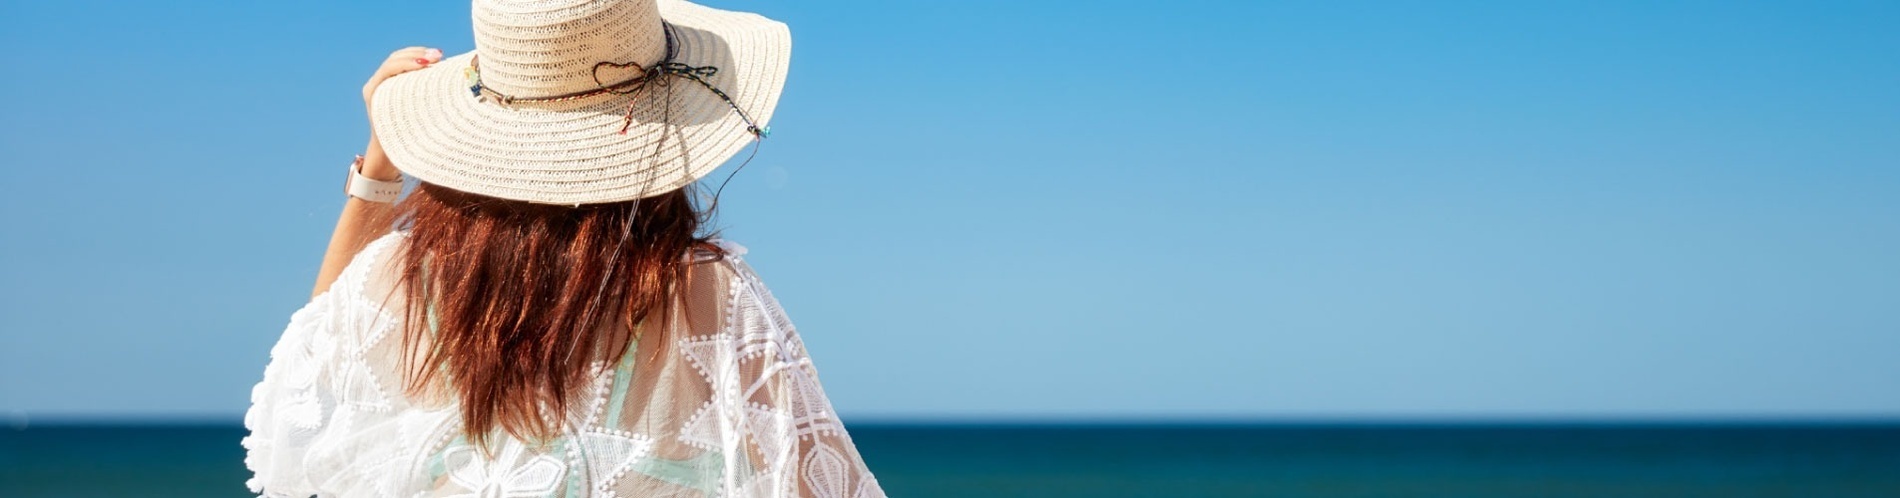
(544, 48)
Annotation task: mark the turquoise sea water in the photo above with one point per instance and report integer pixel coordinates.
(1163, 460)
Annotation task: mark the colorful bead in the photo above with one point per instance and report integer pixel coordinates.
(474, 78)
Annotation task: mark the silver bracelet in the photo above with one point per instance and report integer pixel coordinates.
(370, 189)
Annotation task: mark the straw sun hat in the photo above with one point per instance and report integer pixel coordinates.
(579, 102)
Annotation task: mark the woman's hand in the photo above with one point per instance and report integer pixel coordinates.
(400, 61)
(375, 164)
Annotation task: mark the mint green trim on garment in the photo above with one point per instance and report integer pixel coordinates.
(428, 305)
(435, 322)
(439, 462)
(623, 380)
(686, 473)
(438, 465)
(573, 488)
(683, 473)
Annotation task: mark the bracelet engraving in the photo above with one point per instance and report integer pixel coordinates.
(369, 189)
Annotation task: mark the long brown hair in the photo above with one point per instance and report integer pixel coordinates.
(508, 301)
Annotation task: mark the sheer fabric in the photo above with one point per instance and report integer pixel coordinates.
(724, 403)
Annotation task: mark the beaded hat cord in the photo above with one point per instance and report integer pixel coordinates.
(655, 75)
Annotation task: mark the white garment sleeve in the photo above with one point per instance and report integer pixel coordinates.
(316, 390)
(784, 412)
(290, 406)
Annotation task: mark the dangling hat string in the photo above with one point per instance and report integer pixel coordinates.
(648, 75)
(656, 75)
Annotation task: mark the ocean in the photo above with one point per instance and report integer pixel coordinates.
(1148, 460)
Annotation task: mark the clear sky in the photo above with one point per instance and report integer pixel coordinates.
(1007, 209)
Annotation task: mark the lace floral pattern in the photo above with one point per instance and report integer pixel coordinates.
(725, 403)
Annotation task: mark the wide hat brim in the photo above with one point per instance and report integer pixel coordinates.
(434, 129)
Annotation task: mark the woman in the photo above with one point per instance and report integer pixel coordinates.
(546, 318)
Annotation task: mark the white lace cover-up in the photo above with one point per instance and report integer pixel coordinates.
(731, 407)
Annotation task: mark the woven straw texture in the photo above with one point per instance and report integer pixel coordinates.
(572, 152)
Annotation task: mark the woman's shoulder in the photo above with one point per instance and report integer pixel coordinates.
(723, 255)
(717, 249)
(370, 269)
(730, 258)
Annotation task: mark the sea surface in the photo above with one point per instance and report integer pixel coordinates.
(1142, 460)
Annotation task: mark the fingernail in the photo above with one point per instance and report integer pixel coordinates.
(424, 62)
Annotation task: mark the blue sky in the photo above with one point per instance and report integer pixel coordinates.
(1007, 209)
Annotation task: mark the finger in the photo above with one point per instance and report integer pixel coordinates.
(428, 57)
(418, 57)
(401, 62)
(408, 53)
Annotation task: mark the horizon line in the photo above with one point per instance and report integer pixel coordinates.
(18, 420)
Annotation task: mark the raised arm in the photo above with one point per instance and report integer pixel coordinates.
(364, 221)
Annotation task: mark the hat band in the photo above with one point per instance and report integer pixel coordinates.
(655, 75)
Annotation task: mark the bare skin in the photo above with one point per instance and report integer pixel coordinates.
(362, 221)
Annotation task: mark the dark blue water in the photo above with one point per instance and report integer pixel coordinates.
(1294, 460)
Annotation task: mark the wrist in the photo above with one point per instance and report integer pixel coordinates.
(376, 165)
(368, 188)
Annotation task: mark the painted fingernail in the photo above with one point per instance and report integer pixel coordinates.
(424, 62)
